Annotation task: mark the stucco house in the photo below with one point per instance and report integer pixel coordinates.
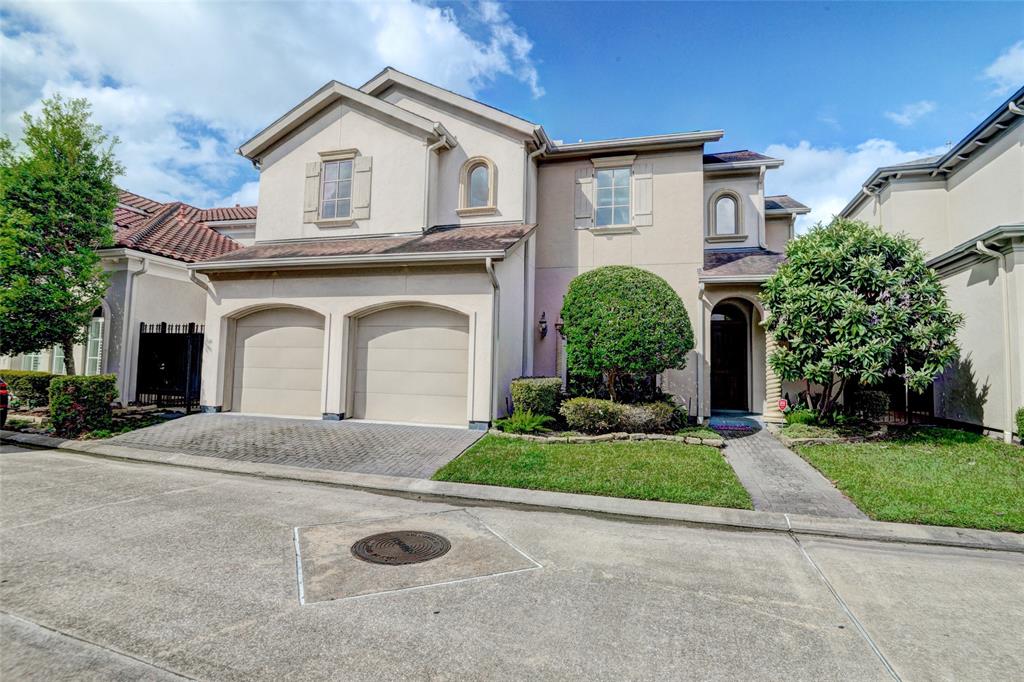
(967, 209)
(413, 246)
(149, 282)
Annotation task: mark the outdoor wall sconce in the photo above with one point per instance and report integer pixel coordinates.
(542, 325)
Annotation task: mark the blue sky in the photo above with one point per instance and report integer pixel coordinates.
(834, 89)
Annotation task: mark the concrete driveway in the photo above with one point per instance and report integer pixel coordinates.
(117, 570)
(361, 447)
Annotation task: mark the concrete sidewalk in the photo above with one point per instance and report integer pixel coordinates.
(465, 493)
(119, 570)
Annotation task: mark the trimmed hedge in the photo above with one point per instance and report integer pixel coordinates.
(1020, 423)
(79, 404)
(539, 395)
(28, 386)
(592, 415)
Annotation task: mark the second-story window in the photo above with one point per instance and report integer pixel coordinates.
(725, 216)
(336, 189)
(476, 187)
(612, 197)
(479, 186)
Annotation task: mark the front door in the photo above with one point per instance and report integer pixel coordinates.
(728, 358)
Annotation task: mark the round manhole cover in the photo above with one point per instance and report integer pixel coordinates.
(401, 547)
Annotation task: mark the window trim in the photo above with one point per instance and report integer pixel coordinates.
(468, 167)
(325, 158)
(712, 234)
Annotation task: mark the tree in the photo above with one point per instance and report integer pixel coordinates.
(623, 322)
(852, 303)
(57, 201)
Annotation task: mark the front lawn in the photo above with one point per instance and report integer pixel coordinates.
(644, 470)
(934, 476)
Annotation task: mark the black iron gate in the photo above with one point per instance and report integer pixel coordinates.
(169, 365)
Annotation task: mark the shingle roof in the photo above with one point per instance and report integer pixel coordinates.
(438, 240)
(784, 202)
(754, 262)
(735, 156)
(173, 230)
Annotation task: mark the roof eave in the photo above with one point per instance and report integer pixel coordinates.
(968, 248)
(639, 144)
(734, 279)
(361, 259)
(755, 164)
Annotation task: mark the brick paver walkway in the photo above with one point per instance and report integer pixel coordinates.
(778, 480)
(390, 449)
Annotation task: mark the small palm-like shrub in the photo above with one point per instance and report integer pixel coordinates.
(524, 422)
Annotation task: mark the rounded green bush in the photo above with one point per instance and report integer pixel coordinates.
(539, 395)
(623, 321)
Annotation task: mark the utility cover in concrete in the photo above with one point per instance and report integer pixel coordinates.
(328, 570)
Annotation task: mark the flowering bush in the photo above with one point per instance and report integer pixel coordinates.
(81, 403)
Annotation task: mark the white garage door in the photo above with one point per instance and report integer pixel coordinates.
(278, 363)
(412, 365)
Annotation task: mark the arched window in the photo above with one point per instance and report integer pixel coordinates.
(94, 344)
(476, 187)
(724, 219)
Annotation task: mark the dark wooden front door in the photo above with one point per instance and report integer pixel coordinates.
(728, 358)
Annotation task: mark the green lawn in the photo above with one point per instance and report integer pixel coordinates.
(698, 432)
(935, 476)
(643, 470)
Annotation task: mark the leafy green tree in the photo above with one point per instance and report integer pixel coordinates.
(622, 322)
(853, 303)
(57, 200)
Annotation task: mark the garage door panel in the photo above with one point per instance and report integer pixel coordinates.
(451, 384)
(412, 364)
(413, 360)
(278, 363)
(411, 408)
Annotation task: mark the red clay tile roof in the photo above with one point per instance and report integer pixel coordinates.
(437, 240)
(173, 230)
(230, 213)
(733, 157)
(754, 262)
(783, 202)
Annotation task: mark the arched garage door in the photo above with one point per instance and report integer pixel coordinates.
(278, 363)
(412, 365)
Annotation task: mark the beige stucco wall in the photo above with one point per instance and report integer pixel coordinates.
(477, 137)
(777, 231)
(341, 296)
(397, 177)
(751, 193)
(671, 247)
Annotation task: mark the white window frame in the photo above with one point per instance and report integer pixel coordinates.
(339, 183)
(57, 356)
(468, 167)
(613, 206)
(330, 157)
(713, 235)
(95, 325)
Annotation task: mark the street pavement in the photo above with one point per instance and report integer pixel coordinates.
(112, 570)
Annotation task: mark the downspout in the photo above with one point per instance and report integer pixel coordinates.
(984, 249)
(700, 355)
(426, 181)
(528, 258)
(495, 334)
(127, 331)
(763, 227)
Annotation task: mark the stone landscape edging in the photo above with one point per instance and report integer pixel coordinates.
(542, 500)
(608, 437)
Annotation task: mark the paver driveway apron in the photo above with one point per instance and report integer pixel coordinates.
(362, 447)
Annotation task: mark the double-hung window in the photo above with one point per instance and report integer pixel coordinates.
(94, 347)
(336, 189)
(612, 197)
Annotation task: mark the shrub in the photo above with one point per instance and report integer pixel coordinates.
(539, 395)
(801, 415)
(620, 322)
(1020, 424)
(648, 418)
(592, 415)
(869, 405)
(524, 422)
(31, 388)
(81, 403)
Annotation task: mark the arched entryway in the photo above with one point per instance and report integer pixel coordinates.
(730, 356)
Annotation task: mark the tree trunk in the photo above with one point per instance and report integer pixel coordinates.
(612, 373)
(69, 357)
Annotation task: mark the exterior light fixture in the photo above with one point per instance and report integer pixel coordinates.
(542, 325)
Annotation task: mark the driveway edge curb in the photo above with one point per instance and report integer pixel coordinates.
(467, 493)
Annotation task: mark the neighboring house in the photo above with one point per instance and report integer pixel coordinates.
(149, 282)
(967, 209)
(413, 247)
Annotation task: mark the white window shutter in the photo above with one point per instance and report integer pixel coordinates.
(583, 211)
(361, 171)
(643, 193)
(311, 201)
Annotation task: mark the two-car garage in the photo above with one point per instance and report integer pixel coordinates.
(407, 364)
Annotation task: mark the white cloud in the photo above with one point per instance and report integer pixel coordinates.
(826, 178)
(910, 113)
(1006, 73)
(183, 83)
